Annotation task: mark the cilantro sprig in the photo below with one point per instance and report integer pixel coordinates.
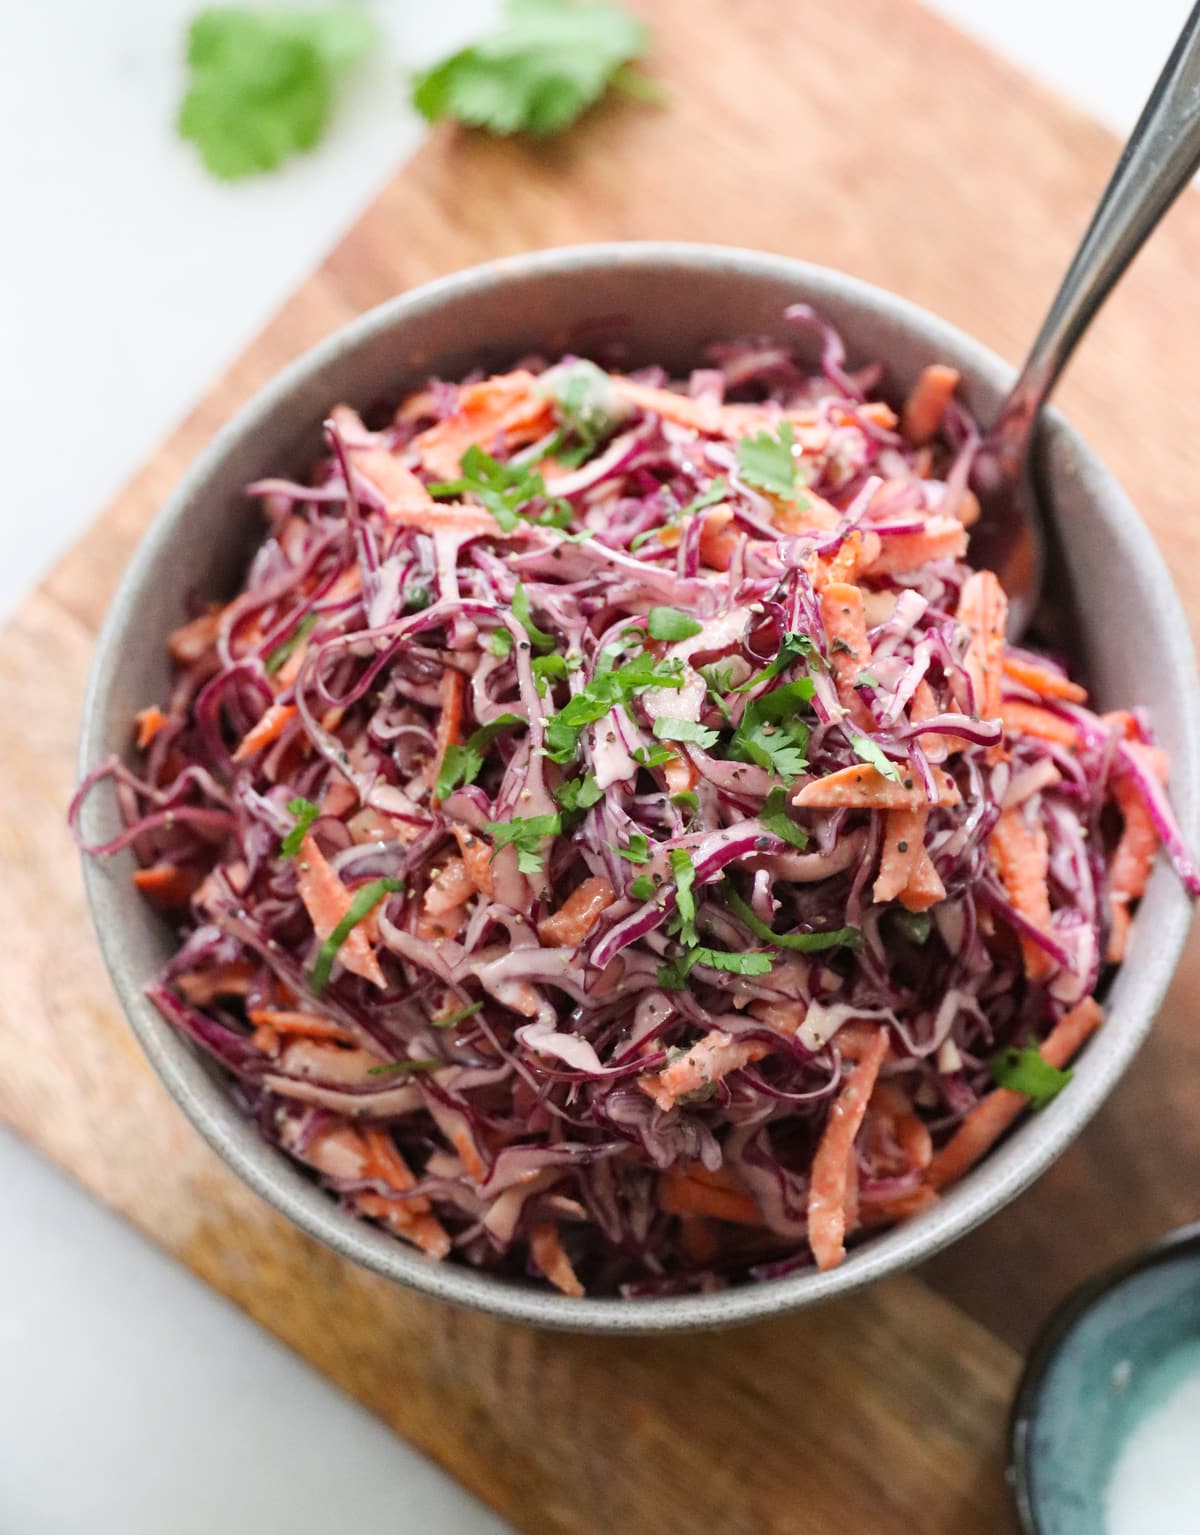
(803, 943)
(609, 686)
(674, 975)
(262, 84)
(462, 764)
(505, 489)
(775, 818)
(546, 64)
(871, 752)
(771, 732)
(667, 729)
(670, 624)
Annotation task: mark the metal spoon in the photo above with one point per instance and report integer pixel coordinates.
(1158, 161)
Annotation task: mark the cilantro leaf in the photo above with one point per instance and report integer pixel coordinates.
(654, 756)
(684, 730)
(366, 898)
(716, 491)
(610, 685)
(791, 647)
(588, 406)
(643, 888)
(461, 764)
(579, 794)
(866, 680)
(804, 943)
(775, 818)
(771, 732)
(525, 833)
(289, 646)
(523, 613)
(306, 813)
(262, 83)
(1026, 1071)
(504, 489)
(682, 867)
(500, 643)
(638, 849)
(549, 61)
(670, 624)
(766, 461)
(916, 926)
(673, 976)
(871, 752)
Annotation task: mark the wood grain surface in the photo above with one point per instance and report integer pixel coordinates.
(887, 145)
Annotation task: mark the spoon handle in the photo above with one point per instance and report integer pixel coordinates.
(1160, 158)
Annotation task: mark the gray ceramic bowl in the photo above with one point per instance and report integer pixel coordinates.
(667, 301)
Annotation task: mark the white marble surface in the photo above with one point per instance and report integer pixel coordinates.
(132, 1400)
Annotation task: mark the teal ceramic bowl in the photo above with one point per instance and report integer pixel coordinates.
(1109, 1356)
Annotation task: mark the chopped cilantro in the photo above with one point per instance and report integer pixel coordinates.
(396, 1067)
(523, 613)
(637, 850)
(288, 647)
(366, 898)
(682, 867)
(505, 489)
(526, 834)
(1027, 1071)
(805, 943)
(643, 888)
(306, 813)
(771, 732)
(766, 461)
(579, 794)
(610, 685)
(653, 756)
(670, 624)
(775, 818)
(461, 764)
(500, 643)
(791, 647)
(451, 1019)
(673, 976)
(666, 729)
(871, 752)
(916, 926)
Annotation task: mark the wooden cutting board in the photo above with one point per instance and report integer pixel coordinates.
(872, 137)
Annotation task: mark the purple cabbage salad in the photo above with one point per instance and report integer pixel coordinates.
(609, 838)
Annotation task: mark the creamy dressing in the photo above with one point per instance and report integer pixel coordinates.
(1155, 1484)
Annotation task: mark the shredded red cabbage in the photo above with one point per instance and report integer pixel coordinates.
(608, 837)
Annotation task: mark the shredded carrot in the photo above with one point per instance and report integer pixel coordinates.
(546, 1250)
(925, 887)
(718, 541)
(450, 887)
(927, 401)
(858, 552)
(1132, 861)
(892, 1112)
(166, 884)
(339, 797)
(944, 538)
(327, 901)
(385, 1162)
(830, 1169)
(1024, 719)
(1021, 857)
(274, 722)
(991, 1117)
(282, 1020)
(504, 411)
(442, 924)
(698, 1239)
(865, 788)
(703, 416)
(188, 643)
(477, 855)
(230, 979)
(579, 913)
(688, 1193)
(903, 845)
(1043, 680)
(423, 1231)
(149, 722)
(449, 728)
(679, 773)
(850, 651)
(897, 1207)
(707, 1062)
(983, 608)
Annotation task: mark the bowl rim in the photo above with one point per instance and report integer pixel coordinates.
(1183, 1241)
(1006, 1172)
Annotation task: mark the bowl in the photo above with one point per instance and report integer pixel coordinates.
(1109, 1356)
(664, 302)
